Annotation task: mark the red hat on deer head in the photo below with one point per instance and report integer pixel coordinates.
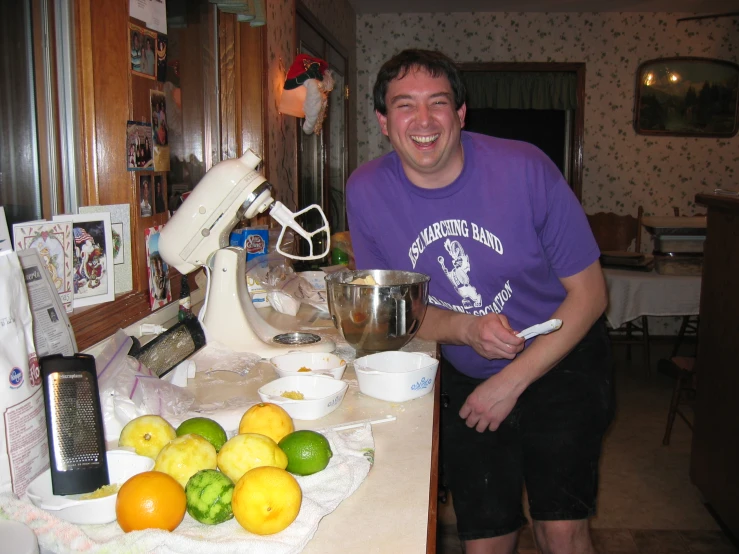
(303, 68)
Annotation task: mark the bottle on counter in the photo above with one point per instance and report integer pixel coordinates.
(339, 257)
(185, 310)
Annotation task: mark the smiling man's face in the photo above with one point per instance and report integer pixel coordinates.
(424, 128)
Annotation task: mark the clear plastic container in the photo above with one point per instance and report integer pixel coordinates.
(678, 263)
(679, 243)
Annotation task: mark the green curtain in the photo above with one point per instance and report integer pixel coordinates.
(521, 90)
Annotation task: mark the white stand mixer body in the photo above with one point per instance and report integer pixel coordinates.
(231, 318)
(197, 235)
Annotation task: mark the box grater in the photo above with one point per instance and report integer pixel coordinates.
(74, 424)
(172, 347)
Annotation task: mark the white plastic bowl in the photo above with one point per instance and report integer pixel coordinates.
(322, 395)
(289, 365)
(122, 465)
(396, 376)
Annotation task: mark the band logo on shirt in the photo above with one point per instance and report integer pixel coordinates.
(459, 274)
(452, 228)
(495, 306)
(457, 267)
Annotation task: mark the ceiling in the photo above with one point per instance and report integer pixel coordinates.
(703, 7)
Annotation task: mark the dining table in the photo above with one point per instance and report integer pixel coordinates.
(633, 293)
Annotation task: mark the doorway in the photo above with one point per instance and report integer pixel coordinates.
(323, 157)
(540, 103)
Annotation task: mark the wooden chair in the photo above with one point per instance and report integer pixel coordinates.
(617, 233)
(614, 232)
(682, 368)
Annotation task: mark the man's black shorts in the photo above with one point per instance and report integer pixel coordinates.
(551, 441)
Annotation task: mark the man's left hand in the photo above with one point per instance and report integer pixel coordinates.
(489, 404)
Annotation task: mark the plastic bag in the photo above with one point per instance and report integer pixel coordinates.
(128, 389)
(24, 452)
(286, 290)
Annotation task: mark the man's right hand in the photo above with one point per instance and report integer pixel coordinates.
(492, 337)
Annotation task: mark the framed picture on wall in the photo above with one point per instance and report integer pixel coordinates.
(92, 242)
(690, 97)
(142, 44)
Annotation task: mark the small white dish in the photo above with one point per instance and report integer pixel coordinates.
(396, 376)
(322, 394)
(122, 465)
(294, 364)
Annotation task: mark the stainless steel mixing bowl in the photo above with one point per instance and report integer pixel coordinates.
(376, 318)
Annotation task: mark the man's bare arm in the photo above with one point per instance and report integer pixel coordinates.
(585, 302)
(490, 335)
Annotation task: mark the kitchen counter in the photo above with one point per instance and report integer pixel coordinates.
(394, 509)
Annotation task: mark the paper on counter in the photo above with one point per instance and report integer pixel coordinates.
(5, 243)
(52, 332)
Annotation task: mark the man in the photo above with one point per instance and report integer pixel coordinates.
(136, 52)
(158, 196)
(145, 205)
(507, 245)
(148, 57)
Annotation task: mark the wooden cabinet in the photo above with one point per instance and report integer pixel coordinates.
(714, 463)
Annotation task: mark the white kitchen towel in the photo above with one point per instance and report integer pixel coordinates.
(322, 492)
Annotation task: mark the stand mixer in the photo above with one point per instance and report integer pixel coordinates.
(197, 236)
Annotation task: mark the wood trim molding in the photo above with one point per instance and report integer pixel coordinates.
(95, 323)
(228, 62)
(46, 119)
(252, 95)
(578, 137)
(434, 478)
(86, 102)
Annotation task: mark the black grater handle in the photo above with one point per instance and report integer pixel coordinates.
(74, 424)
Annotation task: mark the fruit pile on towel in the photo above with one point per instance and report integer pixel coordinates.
(353, 455)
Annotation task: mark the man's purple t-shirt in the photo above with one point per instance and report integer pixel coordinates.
(497, 239)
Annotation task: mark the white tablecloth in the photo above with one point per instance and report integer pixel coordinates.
(632, 294)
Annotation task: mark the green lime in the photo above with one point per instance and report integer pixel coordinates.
(209, 495)
(307, 452)
(207, 428)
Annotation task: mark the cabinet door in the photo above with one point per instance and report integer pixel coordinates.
(715, 451)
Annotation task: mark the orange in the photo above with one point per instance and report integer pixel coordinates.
(266, 500)
(267, 419)
(150, 500)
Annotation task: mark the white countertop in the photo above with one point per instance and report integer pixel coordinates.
(389, 511)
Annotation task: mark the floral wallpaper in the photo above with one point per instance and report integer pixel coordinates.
(338, 18)
(622, 170)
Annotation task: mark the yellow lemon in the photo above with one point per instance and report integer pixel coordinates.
(267, 419)
(147, 435)
(266, 500)
(247, 451)
(184, 456)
